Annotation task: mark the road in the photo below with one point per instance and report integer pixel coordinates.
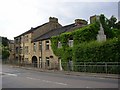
(22, 78)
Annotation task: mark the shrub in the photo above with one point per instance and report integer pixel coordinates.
(97, 51)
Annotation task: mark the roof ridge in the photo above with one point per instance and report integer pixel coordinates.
(52, 30)
(32, 29)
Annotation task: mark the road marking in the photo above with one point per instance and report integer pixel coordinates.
(101, 78)
(61, 83)
(9, 74)
(47, 81)
(32, 78)
(54, 82)
(88, 87)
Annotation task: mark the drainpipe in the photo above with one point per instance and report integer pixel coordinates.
(41, 56)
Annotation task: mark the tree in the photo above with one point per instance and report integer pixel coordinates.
(5, 53)
(4, 47)
(118, 25)
(104, 21)
(5, 41)
(112, 22)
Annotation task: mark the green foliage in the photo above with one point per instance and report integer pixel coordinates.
(110, 26)
(118, 25)
(116, 32)
(86, 34)
(67, 55)
(86, 48)
(5, 41)
(112, 21)
(5, 52)
(97, 51)
(83, 35)
(94, 51)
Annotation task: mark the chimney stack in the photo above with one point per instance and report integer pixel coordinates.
(53, 19)
(80, 22)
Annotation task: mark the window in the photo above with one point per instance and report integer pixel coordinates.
(22, 39)
(21, 50)
(40, 45)
(17, 50)
(16, 40)
(47, 45)
(26, 38)
(34, 47)
(59, 44)
(70, 43)
(47, 61)
(26, 49)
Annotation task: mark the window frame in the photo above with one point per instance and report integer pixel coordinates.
(40, 45)
(70, 42)
(48, 61)
(47, 45)
(34, 47)
(59, 44)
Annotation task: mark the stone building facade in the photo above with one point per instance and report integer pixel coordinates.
(34, 46)
(11, 49)
(23, 45)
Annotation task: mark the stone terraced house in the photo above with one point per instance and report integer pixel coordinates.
(34, 45)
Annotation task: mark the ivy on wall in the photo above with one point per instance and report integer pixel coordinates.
(86, 48)
(84, 34)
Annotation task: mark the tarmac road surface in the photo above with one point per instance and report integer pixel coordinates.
(22, 78)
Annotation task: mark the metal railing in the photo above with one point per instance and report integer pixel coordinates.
(92, 67)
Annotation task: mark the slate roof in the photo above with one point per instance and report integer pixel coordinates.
(56, 32)
(31, 30)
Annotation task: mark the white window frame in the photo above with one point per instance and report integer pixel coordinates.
(47, 61)
(59, 44)
(70, 43)
(47, 45)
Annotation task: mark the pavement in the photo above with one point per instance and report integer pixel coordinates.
(101, 75)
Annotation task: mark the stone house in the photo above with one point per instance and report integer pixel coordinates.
(34, 46)
(43, 55)
(11, 49)
(23, 45)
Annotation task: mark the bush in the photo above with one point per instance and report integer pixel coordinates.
(97, 51)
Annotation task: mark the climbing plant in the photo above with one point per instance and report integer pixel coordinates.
(85, 34)
(86, 48)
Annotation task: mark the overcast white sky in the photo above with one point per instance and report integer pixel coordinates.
(18, 16)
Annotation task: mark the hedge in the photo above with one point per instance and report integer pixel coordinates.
(94, 51)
